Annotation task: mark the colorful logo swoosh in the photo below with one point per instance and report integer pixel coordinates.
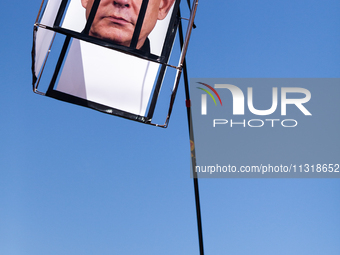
(209, 93)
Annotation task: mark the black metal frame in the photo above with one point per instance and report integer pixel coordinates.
(162, 59)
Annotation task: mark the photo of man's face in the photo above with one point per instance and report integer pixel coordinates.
(116, 20)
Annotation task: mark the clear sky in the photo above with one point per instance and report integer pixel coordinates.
(76, 181)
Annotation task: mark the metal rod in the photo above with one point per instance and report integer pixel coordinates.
(184, 47)
(91, 17)
(188, 34)
(191, 135)
(139, 24)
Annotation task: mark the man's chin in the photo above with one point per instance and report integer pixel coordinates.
(111, 39)
(114, 39)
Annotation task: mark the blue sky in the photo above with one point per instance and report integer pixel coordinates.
(76, 181)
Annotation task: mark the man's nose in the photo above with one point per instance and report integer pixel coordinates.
(121, 3)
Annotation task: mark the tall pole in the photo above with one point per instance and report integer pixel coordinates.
(192, 143)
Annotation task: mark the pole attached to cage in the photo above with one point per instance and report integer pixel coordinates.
(184, 43)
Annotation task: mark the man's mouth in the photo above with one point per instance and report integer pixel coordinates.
(118, 20)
